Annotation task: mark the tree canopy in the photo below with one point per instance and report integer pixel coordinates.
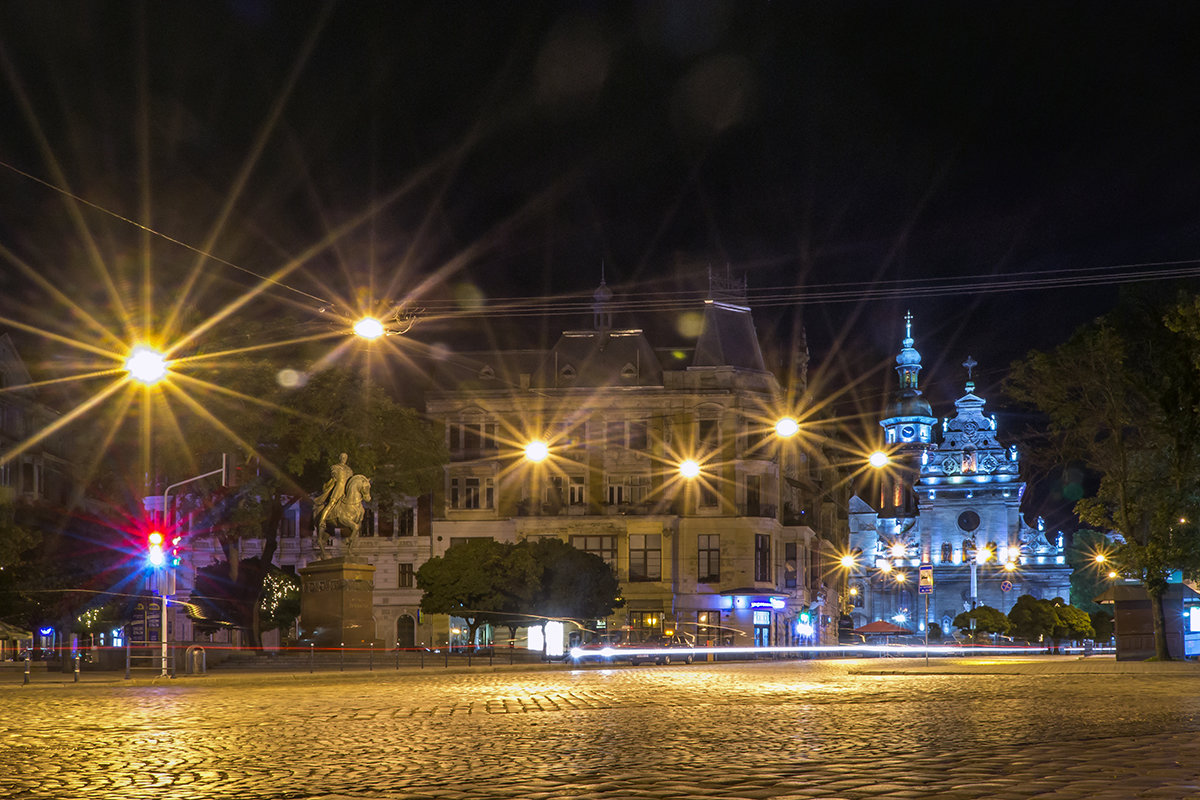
(485, 581)
(1035, 620)
(1122, 397)
(987, 620)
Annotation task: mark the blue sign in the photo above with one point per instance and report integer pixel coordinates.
(1006, 586)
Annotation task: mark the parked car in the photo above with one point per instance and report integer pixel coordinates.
(674, 641)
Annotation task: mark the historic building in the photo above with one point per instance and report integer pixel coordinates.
(737, 554)
(953, 504)
(40, 472)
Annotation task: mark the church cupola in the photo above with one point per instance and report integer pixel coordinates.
(908, 433)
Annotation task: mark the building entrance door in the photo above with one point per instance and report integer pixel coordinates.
(406, 632)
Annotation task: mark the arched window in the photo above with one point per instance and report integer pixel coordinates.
(947, 553)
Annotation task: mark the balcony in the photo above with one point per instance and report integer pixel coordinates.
(766, 510)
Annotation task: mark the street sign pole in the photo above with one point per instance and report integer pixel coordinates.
(925, 587)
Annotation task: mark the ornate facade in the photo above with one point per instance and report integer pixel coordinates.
(733, 555)
(953, 505)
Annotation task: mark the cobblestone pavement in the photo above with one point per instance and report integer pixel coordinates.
(809, 729)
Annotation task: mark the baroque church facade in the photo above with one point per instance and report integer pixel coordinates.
(950, 501)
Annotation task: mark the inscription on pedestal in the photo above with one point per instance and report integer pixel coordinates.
(336, 603)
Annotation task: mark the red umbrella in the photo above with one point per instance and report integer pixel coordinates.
(882, 626)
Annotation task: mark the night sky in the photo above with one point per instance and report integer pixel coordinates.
(852, 160)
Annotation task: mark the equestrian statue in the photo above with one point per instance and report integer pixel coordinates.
(340, 504)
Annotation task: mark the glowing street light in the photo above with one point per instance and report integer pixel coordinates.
(787, 427)
(537, 451)
(983, 556)
(879, 459)
(1101, 558)
(689, 468)
(898, 550)
(848, 561)
(146, 365)
(369, 328)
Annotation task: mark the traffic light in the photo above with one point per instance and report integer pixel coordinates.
(805, 616)
(154, 549)
(176, 558)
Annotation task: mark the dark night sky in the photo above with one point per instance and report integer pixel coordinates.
(513, 148)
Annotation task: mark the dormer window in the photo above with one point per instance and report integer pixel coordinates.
(487, 373)
(628, 371)
(567, 372)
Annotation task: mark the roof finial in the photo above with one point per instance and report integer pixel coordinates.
(970, 364)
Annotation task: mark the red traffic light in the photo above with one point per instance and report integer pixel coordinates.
(154, 553)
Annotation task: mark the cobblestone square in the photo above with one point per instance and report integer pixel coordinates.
(878, 728)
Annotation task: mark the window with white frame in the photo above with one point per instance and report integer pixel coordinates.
(469, 492)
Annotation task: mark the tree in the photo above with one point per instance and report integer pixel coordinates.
(294, 433)
(1032, 619)
(1071, 624)
(482, 581)
(572, 584)
(76, 564)
(15, 539)
(1102, 624)
(1089, 579)
(1123, 397)
(987, 620)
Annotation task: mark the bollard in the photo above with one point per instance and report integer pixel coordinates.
(371, 659)
(397, 655)
(127, 646)
(422, 656)
(342, 658)
(27, 662)
(77, 667)
(311, 656)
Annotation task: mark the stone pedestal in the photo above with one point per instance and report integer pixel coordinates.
(337, 603)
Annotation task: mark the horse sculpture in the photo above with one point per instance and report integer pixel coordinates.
(346, 514)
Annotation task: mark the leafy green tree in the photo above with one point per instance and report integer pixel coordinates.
(1122, 396)
(482, 581)
(572, 584)
(1071, 624)
(1088, 578)
(1032, 619)
(935, 632)
(76, 563)
(292, 433)
(1102, 624)
(987, 620)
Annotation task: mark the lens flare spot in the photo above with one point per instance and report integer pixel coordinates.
(690, 324)
(290, 378)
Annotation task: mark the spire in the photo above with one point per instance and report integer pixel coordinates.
(908, 362)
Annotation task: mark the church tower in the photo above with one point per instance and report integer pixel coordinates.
(908, 435)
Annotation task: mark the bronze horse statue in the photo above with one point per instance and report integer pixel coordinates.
(346, 514)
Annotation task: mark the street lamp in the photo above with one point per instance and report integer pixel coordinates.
(146, 365)
(369, 328)
(878, 459)
(689, 468)
(787, 427)
(537, 451)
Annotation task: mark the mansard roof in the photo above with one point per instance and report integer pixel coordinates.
(728, 338)
(595, 358)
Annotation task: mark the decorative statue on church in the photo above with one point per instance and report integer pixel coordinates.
(340, 504)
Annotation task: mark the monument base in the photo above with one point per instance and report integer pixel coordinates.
(337, 603)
